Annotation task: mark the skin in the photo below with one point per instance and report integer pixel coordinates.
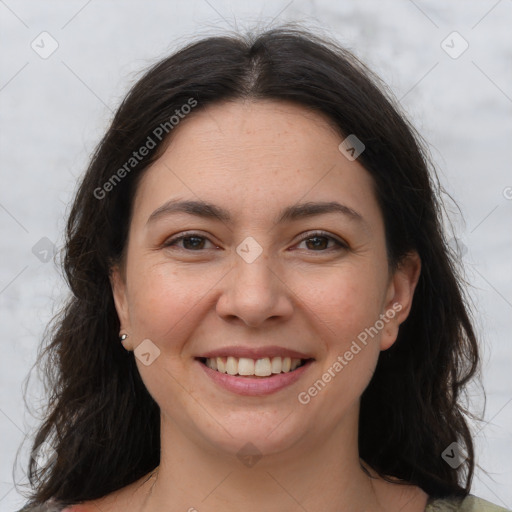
(254, 158)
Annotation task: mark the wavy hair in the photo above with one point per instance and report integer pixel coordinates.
(100, 415)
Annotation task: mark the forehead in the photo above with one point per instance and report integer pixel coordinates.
(251, 155)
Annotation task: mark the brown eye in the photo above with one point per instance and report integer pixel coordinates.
(319, 241)
(191, 242)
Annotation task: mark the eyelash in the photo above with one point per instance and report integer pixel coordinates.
(309, 235)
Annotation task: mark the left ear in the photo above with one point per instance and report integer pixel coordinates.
(399, 297)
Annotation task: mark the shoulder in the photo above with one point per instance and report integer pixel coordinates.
(468, 504)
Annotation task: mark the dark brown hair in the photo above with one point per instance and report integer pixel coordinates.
(101, 420)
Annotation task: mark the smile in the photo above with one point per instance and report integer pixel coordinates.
(253, 377)
(244, 366)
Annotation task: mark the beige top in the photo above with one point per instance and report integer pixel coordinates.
(468, 504)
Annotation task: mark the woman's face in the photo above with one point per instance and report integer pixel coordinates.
(268, 281)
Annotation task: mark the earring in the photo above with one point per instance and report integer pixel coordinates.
(122, 339)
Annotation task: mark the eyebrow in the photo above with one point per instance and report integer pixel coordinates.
(290, 213)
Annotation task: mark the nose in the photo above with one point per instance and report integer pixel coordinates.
(254, 293)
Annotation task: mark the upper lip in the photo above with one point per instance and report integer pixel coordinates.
(255, 353)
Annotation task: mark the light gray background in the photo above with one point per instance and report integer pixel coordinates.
(54, 111)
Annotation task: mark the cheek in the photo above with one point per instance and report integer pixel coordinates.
(346, 305)
(344, 301)
(164, 305)
(163, 300)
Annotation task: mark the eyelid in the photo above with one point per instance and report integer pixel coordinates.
(185, 234)
(304, 236)
(317, 232)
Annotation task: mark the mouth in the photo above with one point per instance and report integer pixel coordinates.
(253, 368)
(253, 377)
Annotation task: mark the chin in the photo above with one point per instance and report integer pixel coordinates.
(247, 434)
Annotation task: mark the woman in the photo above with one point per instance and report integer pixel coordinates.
(265, 314)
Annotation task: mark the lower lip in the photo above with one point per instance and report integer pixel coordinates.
(255, 386)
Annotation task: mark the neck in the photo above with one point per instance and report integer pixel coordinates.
(323, 474)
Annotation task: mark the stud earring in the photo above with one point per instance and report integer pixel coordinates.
(122, 338)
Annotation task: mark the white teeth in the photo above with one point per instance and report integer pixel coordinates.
(262, 367)
(211, 363)
(246, 366)
(221, 364)
(232, 366)
(295, 363)
(276, 364)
